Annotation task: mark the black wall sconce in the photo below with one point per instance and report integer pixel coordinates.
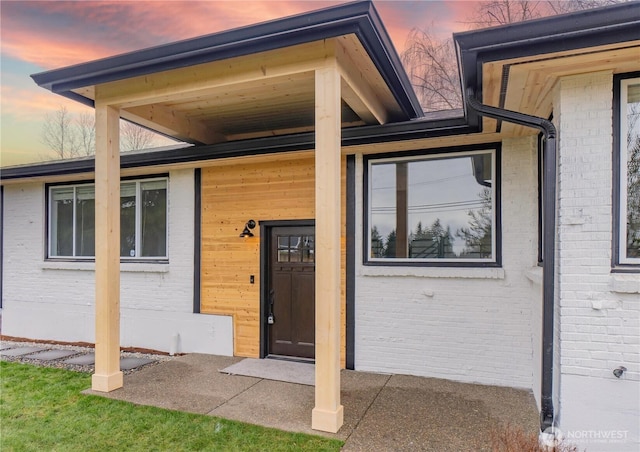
(247, 229)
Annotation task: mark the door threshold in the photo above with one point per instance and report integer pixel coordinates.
(294, 359)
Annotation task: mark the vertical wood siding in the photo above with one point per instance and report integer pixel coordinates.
(272, 189)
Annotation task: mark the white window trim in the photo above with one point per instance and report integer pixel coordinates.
(448, 262)
(624, 153)
(138, 216)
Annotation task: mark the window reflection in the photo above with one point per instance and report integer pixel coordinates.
(143, 220)
(631, 165)
(296, 248)
(435, 208)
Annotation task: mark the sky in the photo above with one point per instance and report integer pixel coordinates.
(38, 36)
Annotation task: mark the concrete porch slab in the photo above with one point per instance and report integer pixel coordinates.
(288, 406)
(190, 383)
(382, 412)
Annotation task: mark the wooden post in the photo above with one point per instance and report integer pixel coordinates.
(327, 414)
(107, 376)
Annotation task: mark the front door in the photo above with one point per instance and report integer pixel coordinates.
(291, 292)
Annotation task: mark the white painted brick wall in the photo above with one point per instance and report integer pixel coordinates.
(472, 325)
(596, 322)
(599, 325)
(54, 300)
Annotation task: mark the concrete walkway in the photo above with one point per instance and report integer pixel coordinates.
(382, 412)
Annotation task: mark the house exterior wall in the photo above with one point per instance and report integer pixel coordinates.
(599, 327)
(466, 324)
(54, 300)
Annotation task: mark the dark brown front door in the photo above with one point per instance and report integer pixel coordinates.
(291, 292)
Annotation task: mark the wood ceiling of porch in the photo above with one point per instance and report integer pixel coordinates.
(266, 94)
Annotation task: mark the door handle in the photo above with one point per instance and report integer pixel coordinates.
(270, 318)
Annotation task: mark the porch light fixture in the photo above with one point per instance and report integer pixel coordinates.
(247, 229)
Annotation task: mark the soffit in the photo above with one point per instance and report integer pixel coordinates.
(264, 94)
(526, 84)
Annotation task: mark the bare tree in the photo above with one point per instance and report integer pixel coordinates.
(568, 6)
(69, 136)
(501, 12)
(86, 128)
(433, 70)
(431, 62)
(134, 137)
(59, 135)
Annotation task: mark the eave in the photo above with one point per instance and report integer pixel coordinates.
(486, 56)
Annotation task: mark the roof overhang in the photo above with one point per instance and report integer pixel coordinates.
(516, 66)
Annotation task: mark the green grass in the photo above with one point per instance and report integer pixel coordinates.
(42, 409)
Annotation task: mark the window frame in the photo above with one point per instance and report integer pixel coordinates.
(425, 154)
(620, 263)
(138, 181)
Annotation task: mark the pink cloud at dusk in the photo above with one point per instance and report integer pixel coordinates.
(24, 104)
(52, 52)
(64, 33)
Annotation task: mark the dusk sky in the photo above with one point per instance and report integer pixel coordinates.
(39, 36)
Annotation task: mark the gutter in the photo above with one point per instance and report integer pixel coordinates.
(549, 236)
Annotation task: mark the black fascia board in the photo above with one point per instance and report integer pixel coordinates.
(408, 130)
(359, 18)
(589, 28)
(57, 168)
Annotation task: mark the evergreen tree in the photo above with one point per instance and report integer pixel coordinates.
(377, 243)
(390, 247)
(477, 237)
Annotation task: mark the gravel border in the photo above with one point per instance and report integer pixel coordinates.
(60, 364)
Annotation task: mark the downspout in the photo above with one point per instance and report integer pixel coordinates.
(549, 235)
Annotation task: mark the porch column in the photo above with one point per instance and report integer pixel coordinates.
(107, 376)
(328, 413)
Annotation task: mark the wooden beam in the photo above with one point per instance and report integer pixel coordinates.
(206, 79)
(357, 92)
(107, 376)
(173, 123)
(327, 414)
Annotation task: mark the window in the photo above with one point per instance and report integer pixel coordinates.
(628, 172)
(143, 220)
(432, 209)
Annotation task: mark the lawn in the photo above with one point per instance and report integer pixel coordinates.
(43, 409)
